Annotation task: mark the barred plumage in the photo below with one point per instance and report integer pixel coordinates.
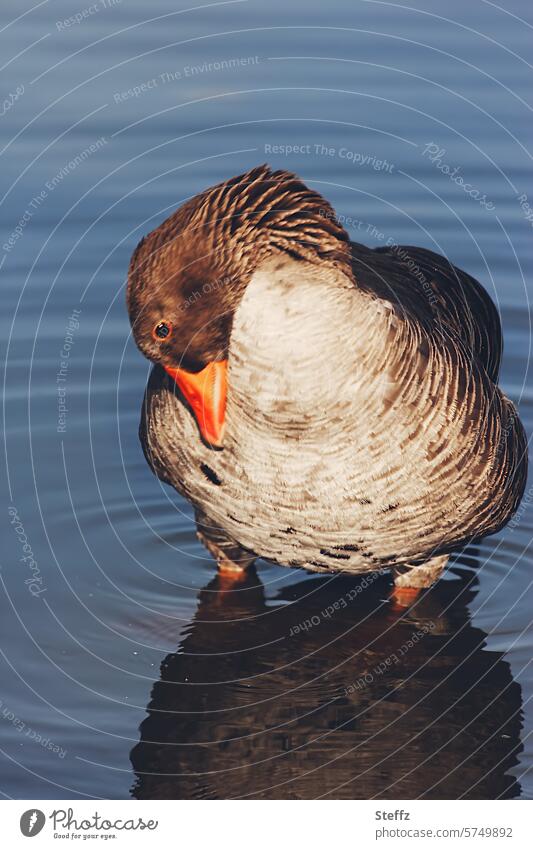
(364, 425)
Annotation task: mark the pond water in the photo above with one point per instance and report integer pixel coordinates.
(127, 669)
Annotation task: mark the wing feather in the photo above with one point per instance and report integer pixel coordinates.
(436, 293)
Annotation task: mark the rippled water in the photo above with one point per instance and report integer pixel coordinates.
(126, 668)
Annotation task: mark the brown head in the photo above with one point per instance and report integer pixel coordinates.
(187, 277)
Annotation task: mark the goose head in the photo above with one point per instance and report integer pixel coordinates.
(188, 276)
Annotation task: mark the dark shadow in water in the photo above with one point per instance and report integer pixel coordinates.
(364, 701)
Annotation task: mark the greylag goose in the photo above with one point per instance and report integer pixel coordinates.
(321, 404)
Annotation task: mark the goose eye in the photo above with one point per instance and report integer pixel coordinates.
(162, 330)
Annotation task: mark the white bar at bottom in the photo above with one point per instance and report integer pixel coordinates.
(258, 824)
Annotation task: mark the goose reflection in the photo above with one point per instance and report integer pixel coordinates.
(329, 690)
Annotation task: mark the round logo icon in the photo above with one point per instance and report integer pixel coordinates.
(32, 822)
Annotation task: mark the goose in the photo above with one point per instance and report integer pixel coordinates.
(321, 404)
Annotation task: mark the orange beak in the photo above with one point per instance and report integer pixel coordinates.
(205, 392)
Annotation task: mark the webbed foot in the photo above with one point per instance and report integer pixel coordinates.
(409, 581)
